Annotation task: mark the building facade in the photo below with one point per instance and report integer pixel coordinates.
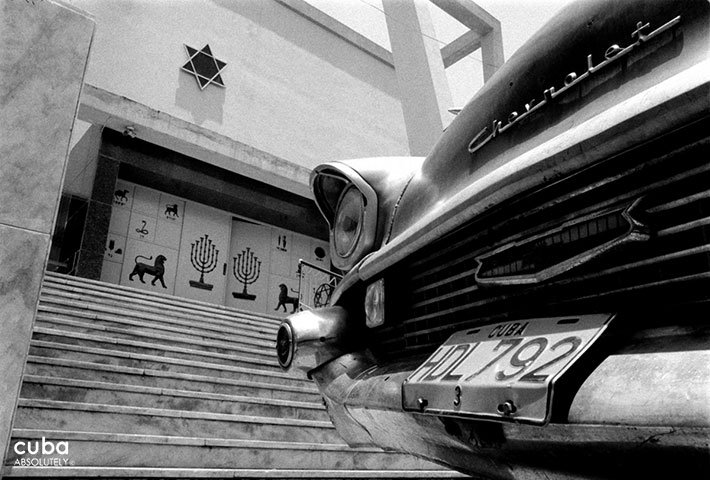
(197, 129)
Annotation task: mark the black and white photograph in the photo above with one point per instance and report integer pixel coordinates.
(355, 239)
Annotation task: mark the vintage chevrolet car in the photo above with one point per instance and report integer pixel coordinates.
(532, 300)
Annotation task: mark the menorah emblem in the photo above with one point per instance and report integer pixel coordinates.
(246, 269)
(203, 256)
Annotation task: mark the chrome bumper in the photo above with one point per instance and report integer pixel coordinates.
(626, 415)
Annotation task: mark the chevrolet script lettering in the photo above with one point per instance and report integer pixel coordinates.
(613, 53)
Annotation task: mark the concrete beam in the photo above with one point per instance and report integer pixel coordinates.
(337, 28)
(469, 14)
(451, 53)
(101, 107)
(480, 22)
(460, 48)
(492, 53)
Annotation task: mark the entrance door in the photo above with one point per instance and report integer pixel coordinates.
(202, 261)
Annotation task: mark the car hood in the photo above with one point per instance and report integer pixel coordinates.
(584, 36)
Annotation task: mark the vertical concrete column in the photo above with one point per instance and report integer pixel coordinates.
(98, 218)
(424, 88)
(44, 52)
(492, 51)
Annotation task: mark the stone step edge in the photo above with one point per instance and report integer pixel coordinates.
(236, 327)
(107, 437)
(147, 345)
(34, 359)
(58, 278)
(54, 321)
(137, 472)
(170, 413)
(180, 306)
(171, 301)
(160, 315)
(68, 309)
(168, 392)
(164, 360)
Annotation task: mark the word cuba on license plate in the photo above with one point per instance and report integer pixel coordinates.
(504, 371)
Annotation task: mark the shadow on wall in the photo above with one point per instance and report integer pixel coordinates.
(207, 104)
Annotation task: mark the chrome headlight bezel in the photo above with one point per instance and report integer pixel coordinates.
(328, 185)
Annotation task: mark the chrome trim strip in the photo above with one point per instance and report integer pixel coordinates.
(612, 54)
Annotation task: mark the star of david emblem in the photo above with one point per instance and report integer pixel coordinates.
(204, 66)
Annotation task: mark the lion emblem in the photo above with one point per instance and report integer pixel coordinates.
(171, 210)
(121, 196)
(157, 270)
(285, 299)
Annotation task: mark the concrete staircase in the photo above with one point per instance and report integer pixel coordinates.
(142, 385)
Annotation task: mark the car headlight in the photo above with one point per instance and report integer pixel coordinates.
(350, 206)
(347, 226)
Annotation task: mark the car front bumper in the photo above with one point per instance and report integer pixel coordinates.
(642, 412)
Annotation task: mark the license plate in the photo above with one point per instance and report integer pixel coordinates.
(505, 371)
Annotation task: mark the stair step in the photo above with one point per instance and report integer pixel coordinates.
(136, 450)
(118, 318)
(168, 301)
(58, 415)
(157, 349)
(55, 367)
(56, 322)
(109, 294)
(237, 325)
(148, 385)
(86, 391)
(116, 357)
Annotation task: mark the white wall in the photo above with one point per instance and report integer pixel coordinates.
(292, 89)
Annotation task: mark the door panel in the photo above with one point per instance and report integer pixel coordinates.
(249, 264)
(201, 273)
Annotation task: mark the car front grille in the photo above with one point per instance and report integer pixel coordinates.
(434, 293)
